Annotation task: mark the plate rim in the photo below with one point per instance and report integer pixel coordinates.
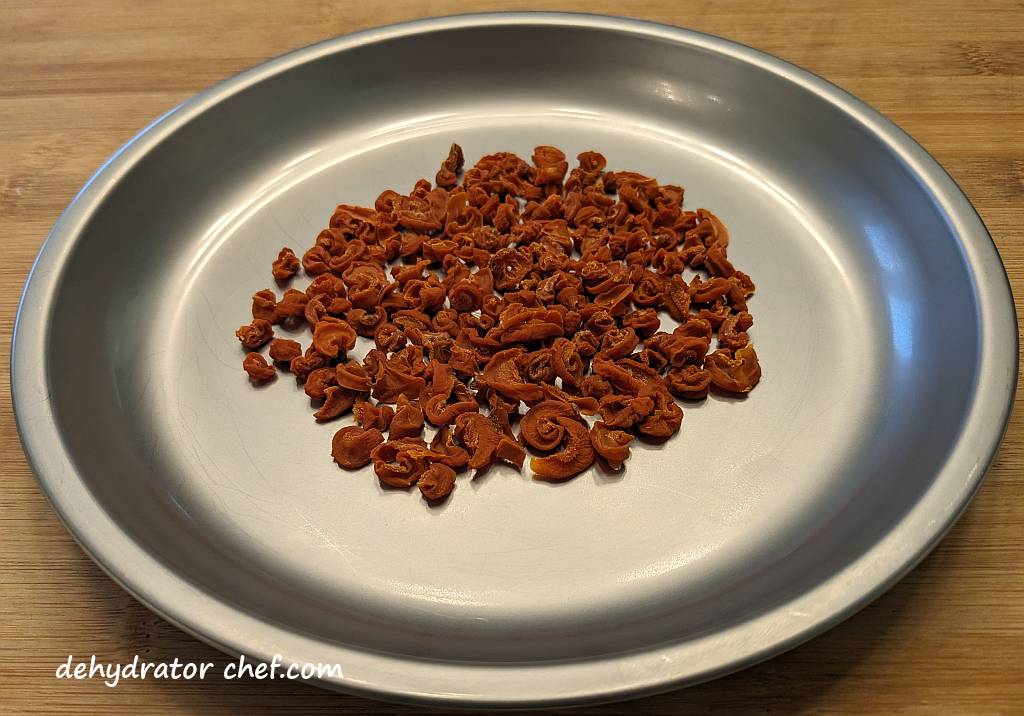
(612, 677)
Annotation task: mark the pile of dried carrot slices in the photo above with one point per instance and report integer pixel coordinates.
(506, 284)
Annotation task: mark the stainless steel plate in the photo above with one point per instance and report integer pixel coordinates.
(884, 324)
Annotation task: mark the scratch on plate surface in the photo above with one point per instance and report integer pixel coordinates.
(324, 540)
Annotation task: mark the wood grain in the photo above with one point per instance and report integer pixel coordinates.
(79, 79)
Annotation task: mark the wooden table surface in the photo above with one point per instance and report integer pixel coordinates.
(79, 79)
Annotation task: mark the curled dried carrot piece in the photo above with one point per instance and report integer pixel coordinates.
(399, 463)
(509, 448)
(301, 366)
(256, 366)
(447, 175)
(649, 290)
(625, 411)
(318, 381)
(736, 372)
(594, 386)
(676, 298)
(732, 334)
(690, 382)
(337, 402)
(352, 445)
(389, 337)
(408, 421)
(436, 482)
(586, 343)
(510, 267)
(315, 260)
(616, 301)
(618, 343)
(392, 382)
(445, 397)
(283, 350)
(715, 313)
(537, 366)
(315, 310)
(286, 265)
(695, 328)
(644, 322)
(679, 349)
(264, 305)
(551, 165)
(327, 287)
(576, 455)
(255, 334)
(540, 428)
(480, 436)
(531, 324)
(352, 376)
(369, 415)
(566, 362)
(292, 305)
(502, 374)
(611, 444)
(666, 417)
(466, 296)
(366, 322)
(331, 336)
(708, 291)
(487, 438)
(716, 262)
(715, 231)
(496, 401)
(584, 403)
(444, 450)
